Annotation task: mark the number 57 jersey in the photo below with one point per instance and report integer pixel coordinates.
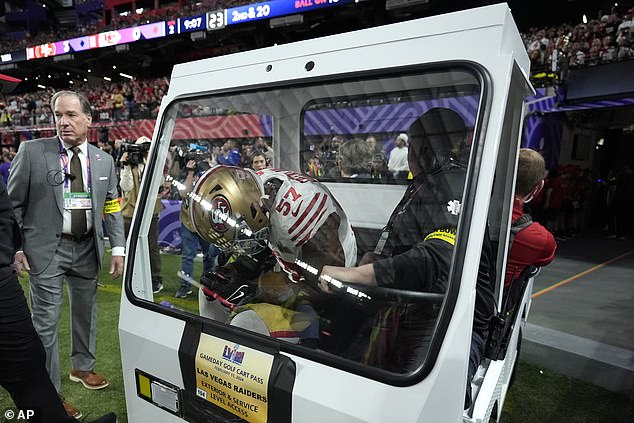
(306, 220)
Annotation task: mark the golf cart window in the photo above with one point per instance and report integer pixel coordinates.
(245, 247)
(364, 138)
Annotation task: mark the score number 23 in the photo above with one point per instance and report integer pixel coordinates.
(216, 20)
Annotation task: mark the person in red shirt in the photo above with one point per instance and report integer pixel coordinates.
(533, 245)
(555, 192)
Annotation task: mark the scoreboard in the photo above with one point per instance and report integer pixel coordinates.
(205, 22)
(275, 8)
(209, 21)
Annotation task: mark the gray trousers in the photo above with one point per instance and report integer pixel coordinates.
(75, 262)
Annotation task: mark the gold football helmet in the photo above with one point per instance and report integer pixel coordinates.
(226, 209)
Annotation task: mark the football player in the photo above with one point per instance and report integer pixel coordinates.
(272, 221)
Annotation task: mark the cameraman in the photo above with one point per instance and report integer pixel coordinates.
(133, 161)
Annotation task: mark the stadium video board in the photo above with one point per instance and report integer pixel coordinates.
(103, 39)
(209, 21)
(276, 8)
(13, 57)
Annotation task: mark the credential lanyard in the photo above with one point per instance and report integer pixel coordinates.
(400, 209)
(63, 155)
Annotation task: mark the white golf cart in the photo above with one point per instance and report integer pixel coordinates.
(307, 100)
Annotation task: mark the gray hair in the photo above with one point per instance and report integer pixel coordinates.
(83, 101)
(356, 156)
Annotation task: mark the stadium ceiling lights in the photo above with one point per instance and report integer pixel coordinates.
(125, 75)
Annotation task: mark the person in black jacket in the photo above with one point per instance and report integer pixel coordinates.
(22, 357)
(415, 249)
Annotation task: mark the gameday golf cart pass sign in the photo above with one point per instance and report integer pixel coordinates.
(233, 377)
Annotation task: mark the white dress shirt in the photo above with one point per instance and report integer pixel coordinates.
(83, 148)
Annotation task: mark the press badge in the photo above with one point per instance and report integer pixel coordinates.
(77, 201)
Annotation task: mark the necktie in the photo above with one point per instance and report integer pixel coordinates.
(78, 216)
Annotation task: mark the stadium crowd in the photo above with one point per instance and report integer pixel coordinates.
(129, 99)
(603, 40)
(91, 26)
(599, 41)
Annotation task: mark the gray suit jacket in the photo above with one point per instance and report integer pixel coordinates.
(38, 202)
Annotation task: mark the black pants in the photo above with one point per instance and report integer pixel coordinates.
(22, 357)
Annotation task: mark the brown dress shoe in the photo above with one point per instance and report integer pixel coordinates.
(72, 411)
(90, 380)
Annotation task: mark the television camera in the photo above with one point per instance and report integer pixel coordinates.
(197, 152)
(135, 153)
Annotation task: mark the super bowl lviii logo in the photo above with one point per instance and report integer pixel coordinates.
(232, 354)
(220, 212)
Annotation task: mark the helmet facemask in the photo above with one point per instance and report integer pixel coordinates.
(227, 210)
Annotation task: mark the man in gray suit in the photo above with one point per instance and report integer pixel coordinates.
(60, 189)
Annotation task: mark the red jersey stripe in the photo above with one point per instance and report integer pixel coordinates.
(303, 216)
(307, 237)
(312, 218)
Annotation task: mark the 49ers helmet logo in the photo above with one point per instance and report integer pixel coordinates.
(220, 212)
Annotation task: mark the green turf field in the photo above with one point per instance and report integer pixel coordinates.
(538, 395)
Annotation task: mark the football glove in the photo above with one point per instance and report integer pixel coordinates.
(225, 283)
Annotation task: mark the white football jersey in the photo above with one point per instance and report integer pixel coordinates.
(302, 205)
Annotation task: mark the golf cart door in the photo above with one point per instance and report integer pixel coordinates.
(315, 104)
